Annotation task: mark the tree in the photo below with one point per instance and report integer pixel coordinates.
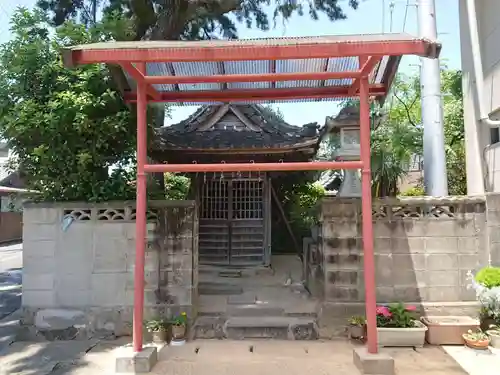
(398, 137)
(192, 19)
(67, 127)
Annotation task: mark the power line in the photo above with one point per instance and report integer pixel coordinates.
(405, 18)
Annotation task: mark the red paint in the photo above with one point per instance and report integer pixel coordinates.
(253, 167)
(257, 51)
(368, 51)
(228, 96)
(367, 228)
(367, 65)
(139, 77)
(140, 215)
(269, 77)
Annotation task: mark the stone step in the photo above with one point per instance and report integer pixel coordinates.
(210, 288)
(256, 310)
(271, 327)
(268, 327)
(240, 272)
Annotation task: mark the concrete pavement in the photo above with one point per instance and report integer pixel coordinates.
(207, 357)
(11, 263)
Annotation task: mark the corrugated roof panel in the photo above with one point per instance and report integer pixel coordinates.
(248, 67)
(303, 66)
(197, 69)
(342, 64)
(160, 69)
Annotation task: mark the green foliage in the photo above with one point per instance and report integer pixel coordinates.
(396, 315)
(489, 277)
(416, 191)
(299, 198)
(176, 186)
(180, 319)
(193, 19)
(399, 135)
(66, 127)
(357, 320)
(157, 325)
(454, 131)
(477, 335)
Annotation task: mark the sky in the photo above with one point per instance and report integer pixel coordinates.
(372, 16)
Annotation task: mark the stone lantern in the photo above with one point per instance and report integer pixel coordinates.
(346, 127)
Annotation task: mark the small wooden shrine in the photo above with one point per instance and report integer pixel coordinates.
(235, 208)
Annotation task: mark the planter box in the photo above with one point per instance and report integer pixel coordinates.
(402, 336)
(448, 330)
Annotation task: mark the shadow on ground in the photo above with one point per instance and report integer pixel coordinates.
(10, 291)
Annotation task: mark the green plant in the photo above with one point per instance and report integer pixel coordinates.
(489, 277)
(416, 191)
(180, 319)
(396, 315)
(477, 335)
(156, 325)
(357, 320)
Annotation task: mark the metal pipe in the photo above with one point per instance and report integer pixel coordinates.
(435, 176)
(478, 65)
(269, 77)
(140, 214)
(254, 167)
(366, 207)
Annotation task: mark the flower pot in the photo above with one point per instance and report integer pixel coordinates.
(402, 336)
(448, 330)
(178, 332)
(494, 338)
(159, 336)
(476, 344)
(356, 332)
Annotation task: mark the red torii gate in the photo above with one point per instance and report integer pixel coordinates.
(320, 81)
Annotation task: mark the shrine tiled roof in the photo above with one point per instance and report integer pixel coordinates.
(267, 130)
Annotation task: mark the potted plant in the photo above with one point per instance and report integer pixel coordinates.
(486, 284)
(357, 327)
(476, 339)
(179, 323)
(397, 326)
(159, 330)
(494, 335)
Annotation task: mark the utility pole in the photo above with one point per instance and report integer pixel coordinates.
(435, 179)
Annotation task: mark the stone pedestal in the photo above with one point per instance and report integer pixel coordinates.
(373, 364)
(130, 362)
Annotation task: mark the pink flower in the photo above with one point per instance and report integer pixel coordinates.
(383, 310)
(410, 308)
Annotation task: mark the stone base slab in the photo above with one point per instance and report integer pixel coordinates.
(373, 364)
(130, 362)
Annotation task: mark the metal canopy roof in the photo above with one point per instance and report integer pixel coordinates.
(322, 68)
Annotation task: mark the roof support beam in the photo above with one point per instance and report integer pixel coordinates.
(268, 77)
(254, 167)
(139, 77)
(367, 65)
(259, 95)
(294, 48)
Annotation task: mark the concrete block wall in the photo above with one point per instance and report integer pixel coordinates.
(423, 248)
(88, 265)
(493, 227)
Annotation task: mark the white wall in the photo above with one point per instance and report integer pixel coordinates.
(481, 161)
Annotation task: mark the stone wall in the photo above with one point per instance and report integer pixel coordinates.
(81, 257)
(423, 249)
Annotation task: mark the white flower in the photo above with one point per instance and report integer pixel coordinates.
(488, 297)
